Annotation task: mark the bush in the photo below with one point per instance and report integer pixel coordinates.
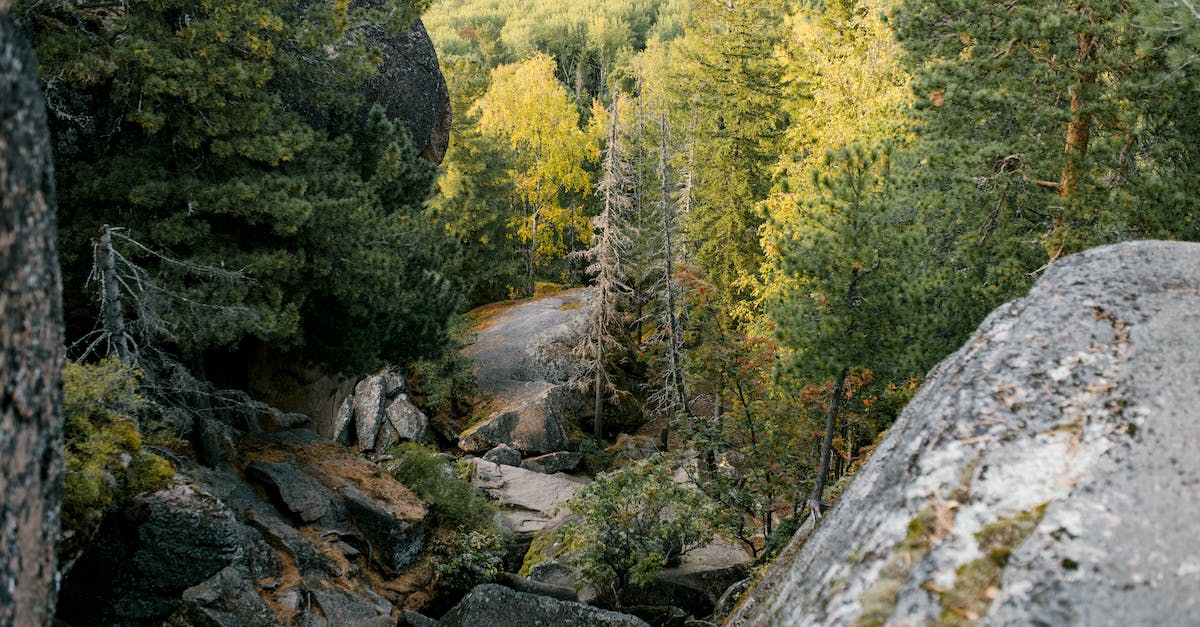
(454, 501)
(105, 462)
(466, 559)
(633, 522)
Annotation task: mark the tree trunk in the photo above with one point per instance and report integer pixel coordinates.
(531, 260)
(1079, 129)
(814, 499)
(598, 423)
(31, 340)
(110, 292)
(668, 225)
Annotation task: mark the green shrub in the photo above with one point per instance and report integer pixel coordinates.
(453, 499)
(467, 559)
(633, 522)
(105, 462)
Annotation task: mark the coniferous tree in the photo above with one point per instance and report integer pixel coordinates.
(233, 136)
(606, 263)
(729, 83)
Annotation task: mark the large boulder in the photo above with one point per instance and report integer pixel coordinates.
(410, 87)
(31, 341)
(143, 559)
(525, 370)
(531, 499)
(1046, 473)
(497, 606)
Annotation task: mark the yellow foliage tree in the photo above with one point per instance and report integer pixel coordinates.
(529, 112)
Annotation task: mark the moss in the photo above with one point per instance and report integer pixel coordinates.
(570, 306)
(544, 548)
(977, 582)
(879, 602)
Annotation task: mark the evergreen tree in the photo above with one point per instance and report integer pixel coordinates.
(230, 136)
(1043, 129)
(607, 264)
(840, 255)
(728, 82)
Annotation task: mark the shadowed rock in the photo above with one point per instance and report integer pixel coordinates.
(497, 606)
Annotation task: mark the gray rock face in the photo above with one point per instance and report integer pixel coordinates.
(297, 492)
(31, 340)
(410, 86)
(497, 606)
(311, 535)
(551, 463)
(378, 415)
(524, 369)
(1046, 473)
(394, 536)
(531, 497)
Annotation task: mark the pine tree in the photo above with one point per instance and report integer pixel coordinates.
(840, 256)
(1042, 129)
(233, 136)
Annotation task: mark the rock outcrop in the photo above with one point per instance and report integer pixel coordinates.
(31, 341)
(300, 531)
(378, 415)
(1046, 473)
(524, 369)
(497, 606)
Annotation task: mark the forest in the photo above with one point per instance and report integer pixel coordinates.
(789, 211)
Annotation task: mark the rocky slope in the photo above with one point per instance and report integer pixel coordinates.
(1046, 473)
(299, 530)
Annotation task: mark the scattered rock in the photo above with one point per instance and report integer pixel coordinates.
(532, 497)
(395, 536)
(534, 419)
(551, 463)
(699, 581)
(378, 415)
(409, 618)
(343, 608)
(1045, 473)
(521, 584)
(497, 606)
(226, 599)
(504, 455)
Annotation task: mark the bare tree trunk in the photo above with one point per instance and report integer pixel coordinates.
(110, 296)
(31, 344)
(531, 260)
(676, 333)
(839, 388)
(598, 423)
